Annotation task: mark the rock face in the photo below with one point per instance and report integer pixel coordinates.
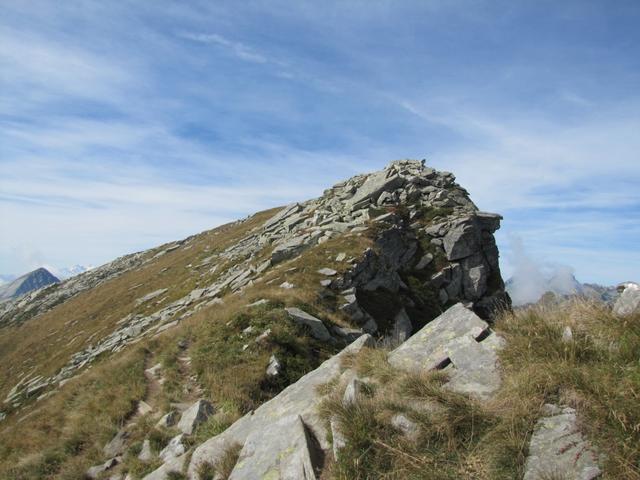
(35, 280)
(194, 416)
(459, 342)
(629, 300)
(558, 449)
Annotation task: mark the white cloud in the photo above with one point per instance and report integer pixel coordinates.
(238, 49)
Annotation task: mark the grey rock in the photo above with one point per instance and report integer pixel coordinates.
(458, 340)
(96, 471)
(557, 449)
(352, 392)
(316, 327)
(629, 300)
(341, 257)
(325, 283)
(286, 451)
(151, 296)
(349, 334)
(402, 326)
(274, 367)
(146, 455)
(168, 420)
(117, 445)
(175, 464)
(194, 416)
(287, 285)
(462, 240)
(408, 427)
(329, 272)
(426, 259)
(299, 399)
(567, 335)
(288, 249)
(174, 448)
(373, 186)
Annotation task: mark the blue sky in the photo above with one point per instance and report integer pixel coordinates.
(127, 124)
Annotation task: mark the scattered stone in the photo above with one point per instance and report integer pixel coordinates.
(286, 285)
(257, 303)
(151, 296)
(263, 336)
(341, 257)
(558, 450)
(405, 425)
(144, 408)
(117, 445)
(316, 327)
(329, 272)
(95, 472)
(194, 416)
(168, 420)
(349, 334)
(567, 335)
(274, 367)
(325, 283)
(146, 455)
(174, 448)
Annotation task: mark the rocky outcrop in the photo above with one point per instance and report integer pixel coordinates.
(558, 449)
(629, 300)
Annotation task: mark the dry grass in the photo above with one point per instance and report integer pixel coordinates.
(597, 373)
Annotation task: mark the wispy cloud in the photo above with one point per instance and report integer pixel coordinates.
(238, 49)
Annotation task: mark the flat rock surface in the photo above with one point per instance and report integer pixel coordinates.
(558, 449)
(460, 342)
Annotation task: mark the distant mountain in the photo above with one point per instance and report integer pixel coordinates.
(39, 278)
(67, 272)
(523, 291)
(6, 279)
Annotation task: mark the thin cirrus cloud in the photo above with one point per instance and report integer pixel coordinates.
(115, 118)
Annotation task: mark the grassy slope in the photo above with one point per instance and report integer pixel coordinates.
(61, 436)
(598, 374)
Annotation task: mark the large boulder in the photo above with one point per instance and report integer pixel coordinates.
(460, 342)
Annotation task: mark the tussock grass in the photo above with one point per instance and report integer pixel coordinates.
(598, 373)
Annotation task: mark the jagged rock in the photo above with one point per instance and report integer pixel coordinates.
(316, 327)
(117, 445)
(174, 448)
(175, 464)
(402, 327)
(194, 416)
(408, 427)
(558, 450)
(96, 471)
(299, 399)
(273, 369)
(373, 186)
(629, 300)
(145, 455)
(460, 341)
(168, 420)
(285, 451)
(288, 249)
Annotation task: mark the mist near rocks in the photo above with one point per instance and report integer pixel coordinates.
(532, 278)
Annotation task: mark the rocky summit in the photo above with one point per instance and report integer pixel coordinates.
(26, 283)
(286, 346)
